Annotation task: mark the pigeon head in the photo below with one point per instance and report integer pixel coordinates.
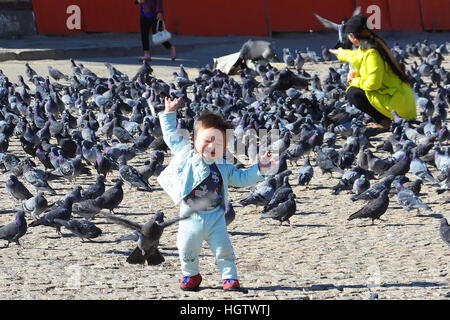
(444, 222)
(20, 216)
(159, 217)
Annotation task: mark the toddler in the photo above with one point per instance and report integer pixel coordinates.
(196, 172)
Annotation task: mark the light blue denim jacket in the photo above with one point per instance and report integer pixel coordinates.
(187, 169)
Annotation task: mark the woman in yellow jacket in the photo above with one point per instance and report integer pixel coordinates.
(378, 83)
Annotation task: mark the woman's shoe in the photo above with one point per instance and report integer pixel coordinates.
(145, 57)
(383, 125)
(173, 53)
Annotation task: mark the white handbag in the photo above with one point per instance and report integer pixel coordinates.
(161, 36)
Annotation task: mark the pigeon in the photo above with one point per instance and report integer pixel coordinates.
(256, 50)
(230, 214)
(113, 196)
(420, 170)
(398, 169)
(95, 190)
(83, 229)
(360, 185)
(262, 194)
(13, 231)
(444, 231)
(150, 233)
(378, 165)
(283, 211)
(63, 212)
(35, 205)
(56, 74)
(88, 208)
(37, 178)
(374, 191)
(374, 209)
(343, 41)
(305, 173)
(326, 164)
(280, 195)
(131, 176)
(16, 189)
(408, 200)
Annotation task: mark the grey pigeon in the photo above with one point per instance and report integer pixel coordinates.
(399, 168)
(113, 196)
(374, 209)
(88, 208)
(81, 228)
(374, 191)
(444, 231)
(408, 200)
(360, 185)
(305, 173)
(280, 195)
(13, 231)
(150, 233)
(326, 164)
(256, 50)
(64, 212)
(35, 205)
(95, 190)
(376, 164)
(56, 74)
(16, 189)
(131, 176)
(262, 194)
(283, 211)
(37, 178)
(230, 214)
(420, 170)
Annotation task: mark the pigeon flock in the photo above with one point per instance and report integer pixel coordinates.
(81, 125)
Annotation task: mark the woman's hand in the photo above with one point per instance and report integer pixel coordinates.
(171, 105)
(335, 51)
(141, 1)
(351, 75)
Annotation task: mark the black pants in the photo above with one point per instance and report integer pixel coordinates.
(359, 99)
(146, 24)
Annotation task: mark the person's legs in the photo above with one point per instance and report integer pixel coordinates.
(166, 44)
(220, 245)
(358, 98)
(189, 243)
(145, 24)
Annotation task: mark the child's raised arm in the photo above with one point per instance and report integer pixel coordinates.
(175, 139)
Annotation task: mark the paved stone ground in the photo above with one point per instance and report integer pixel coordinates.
(323, 256)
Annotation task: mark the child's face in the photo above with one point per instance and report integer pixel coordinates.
(210, 143)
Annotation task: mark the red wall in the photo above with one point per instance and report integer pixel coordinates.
(244, 17)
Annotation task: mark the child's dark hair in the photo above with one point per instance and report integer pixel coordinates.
(209, 119)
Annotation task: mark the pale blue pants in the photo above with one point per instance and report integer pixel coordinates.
(212, 228)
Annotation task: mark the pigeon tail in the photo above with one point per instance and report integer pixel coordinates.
(136, 257)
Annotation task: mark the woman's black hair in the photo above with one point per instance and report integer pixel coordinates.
(357, 26)
(370, 39)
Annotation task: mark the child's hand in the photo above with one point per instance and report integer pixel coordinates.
(268, 164)
(171, 105)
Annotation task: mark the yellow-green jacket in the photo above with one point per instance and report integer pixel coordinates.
(384, 89)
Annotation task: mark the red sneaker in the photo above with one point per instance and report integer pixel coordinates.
(191, 283)
(231, 285)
